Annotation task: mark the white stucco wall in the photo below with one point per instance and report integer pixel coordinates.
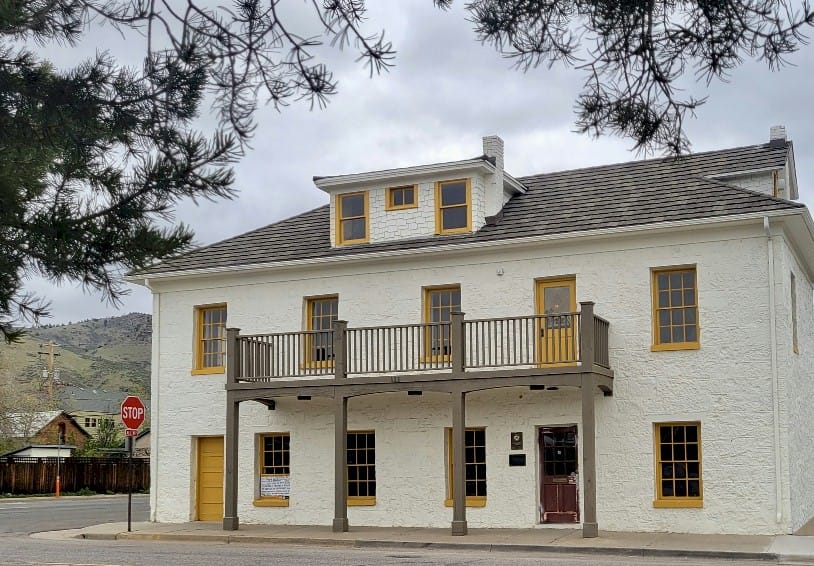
(725, 385)
(390, 225)
(798, 389)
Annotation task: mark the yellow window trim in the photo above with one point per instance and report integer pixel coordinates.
(198, 367)
(438, 208)
(675, 346)
(471, 501)
(388, 200)
(687, 502)
(426, 358)
(208, 371)
(338, 214)
(270, 502)
(672, 346)
(679, 503)
(361, 501)
(309, 326)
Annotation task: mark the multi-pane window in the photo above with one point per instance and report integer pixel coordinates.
(475, 470)
(794, 314)
(211, 338)
(90, 422)
(401, 197)
(275, 466)
(675, 309)
(352, 218)
(452, 200)
(678, 465)
(439, 304)
(362, 468)
(322, 312)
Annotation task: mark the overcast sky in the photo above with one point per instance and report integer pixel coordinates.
(445, 92)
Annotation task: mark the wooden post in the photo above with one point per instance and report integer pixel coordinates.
(457, 346)
(458, 463)
(230, 519)
(590, 528)
(340, 523)
(340, 350)
(232, 354)
(586, 336)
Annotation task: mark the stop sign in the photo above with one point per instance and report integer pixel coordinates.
(132, 412)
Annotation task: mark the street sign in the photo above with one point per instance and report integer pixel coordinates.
(131, 432)
(132, 412)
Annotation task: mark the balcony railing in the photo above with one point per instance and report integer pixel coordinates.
(532, 341)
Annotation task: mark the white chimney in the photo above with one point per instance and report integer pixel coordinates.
(777, 133)
(493, 148)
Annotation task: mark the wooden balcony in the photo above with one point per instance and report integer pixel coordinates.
(539, 344)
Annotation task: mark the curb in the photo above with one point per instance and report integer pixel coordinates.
(484, 547)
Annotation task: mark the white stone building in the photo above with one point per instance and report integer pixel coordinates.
(635, 354)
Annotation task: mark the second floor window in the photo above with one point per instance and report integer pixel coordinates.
(352, 218)
(321, 314)
(675, 309)
(211, 339)
(452, 207)
(439, 304)
(401, 197)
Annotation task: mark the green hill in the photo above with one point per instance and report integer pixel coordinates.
(102, 353)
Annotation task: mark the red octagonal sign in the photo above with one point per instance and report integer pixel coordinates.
(132, 412)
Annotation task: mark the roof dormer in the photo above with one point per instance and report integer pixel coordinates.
(424, 200)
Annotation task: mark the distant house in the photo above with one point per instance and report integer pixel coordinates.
(46, 428)
(43, 451)
(89, 407)
(141, 449)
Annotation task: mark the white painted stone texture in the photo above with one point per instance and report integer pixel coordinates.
(392, 225)
(725, 385)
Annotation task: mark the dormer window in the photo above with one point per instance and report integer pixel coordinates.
(402, 197)
(453, 213)
(352, 218)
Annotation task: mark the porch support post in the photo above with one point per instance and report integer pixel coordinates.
(457, 342)
(458, 463)
(340, 349)
(586, 335)
(590, 528)
(340, 524)
(230, 520)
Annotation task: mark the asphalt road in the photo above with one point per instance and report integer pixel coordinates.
(34, 514)
(27, 551)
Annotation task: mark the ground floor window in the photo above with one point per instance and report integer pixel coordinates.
(678, 465)
(475, 472)
(362, 468)
(275, 470)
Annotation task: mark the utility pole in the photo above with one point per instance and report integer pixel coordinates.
(50, 368)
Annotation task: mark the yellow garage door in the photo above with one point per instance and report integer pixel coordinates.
(210, 479)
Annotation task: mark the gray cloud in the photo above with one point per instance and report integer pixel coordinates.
(445, 92)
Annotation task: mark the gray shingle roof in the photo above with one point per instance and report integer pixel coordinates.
(621, 195)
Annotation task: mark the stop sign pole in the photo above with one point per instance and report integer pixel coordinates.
(132, 414)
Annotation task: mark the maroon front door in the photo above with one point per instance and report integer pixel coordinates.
(558, 494)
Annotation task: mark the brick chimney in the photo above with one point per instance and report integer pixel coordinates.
(493, 148)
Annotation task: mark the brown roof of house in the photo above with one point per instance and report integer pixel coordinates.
(608, 196)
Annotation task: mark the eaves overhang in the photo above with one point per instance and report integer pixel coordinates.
(404, 174)
(438, 249)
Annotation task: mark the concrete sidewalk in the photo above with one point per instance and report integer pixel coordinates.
(797, 549)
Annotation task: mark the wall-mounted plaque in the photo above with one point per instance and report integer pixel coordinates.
(516, 440)
(517, 459)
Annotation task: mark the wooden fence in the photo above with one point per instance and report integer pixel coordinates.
(28, 475)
